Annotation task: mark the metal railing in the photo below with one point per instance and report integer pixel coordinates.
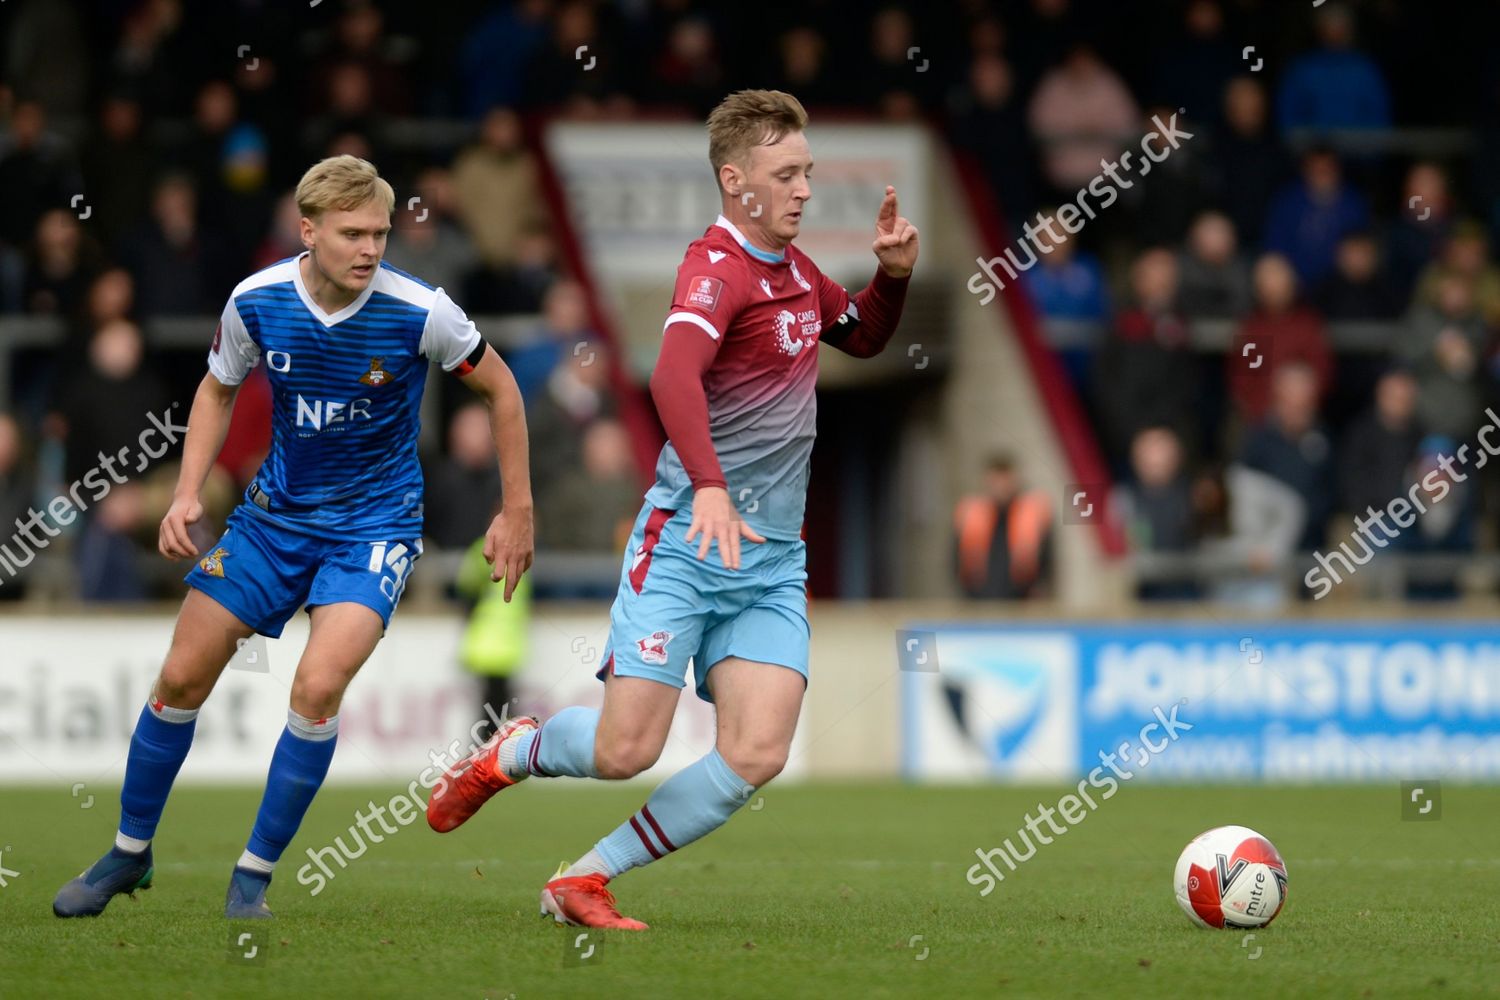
(1212, 335)
(1388, 576)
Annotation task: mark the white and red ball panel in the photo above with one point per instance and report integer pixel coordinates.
(1230, 877)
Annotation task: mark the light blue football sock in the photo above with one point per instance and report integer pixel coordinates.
(564, 746)
(691, 803)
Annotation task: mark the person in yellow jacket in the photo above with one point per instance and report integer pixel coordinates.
(495, 640)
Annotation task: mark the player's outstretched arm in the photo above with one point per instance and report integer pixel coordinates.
(870, 320)
(208, 423)
(508, 544)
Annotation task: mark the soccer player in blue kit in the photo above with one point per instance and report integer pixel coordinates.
(332, 521)
(734, 387)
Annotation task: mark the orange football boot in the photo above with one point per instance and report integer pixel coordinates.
(582, 900)
(471, 782)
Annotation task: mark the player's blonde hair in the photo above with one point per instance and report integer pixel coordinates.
(342, 183)
(749, 118)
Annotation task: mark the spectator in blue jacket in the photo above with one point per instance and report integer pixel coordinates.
(1336, 86)
(1310, 216)
(1068, 283)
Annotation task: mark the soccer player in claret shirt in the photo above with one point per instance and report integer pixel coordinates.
(333, 519)
(734, 386)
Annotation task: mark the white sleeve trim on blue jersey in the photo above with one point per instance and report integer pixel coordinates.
(233, 353)
(693, 318)
(449, 336)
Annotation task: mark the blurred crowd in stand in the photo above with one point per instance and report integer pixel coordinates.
(148, 148)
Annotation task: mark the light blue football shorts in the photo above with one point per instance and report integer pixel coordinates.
(673, 611)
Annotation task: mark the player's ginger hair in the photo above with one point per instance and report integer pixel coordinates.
(749, 118)
(342, 183)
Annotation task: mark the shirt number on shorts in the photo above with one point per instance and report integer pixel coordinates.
(384, 556)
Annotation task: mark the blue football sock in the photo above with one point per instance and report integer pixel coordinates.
(158, 747)
(297, 771)
(564, 746)
(695, 801)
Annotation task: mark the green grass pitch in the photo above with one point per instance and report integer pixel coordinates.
(825, 890)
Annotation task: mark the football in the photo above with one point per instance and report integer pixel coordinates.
(1230, 877)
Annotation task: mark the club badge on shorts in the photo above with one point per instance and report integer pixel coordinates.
(654, 647)
(213, 563)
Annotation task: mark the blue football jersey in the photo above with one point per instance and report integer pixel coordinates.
(346, 395)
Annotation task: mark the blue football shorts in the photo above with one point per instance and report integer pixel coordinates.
(673, 611)
(262, 573)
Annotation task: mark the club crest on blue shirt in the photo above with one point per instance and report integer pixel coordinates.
(213, 563)
(377, 375)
